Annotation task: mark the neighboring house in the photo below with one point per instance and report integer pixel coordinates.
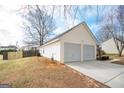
(29, 47)
(10, 47)
(109, 46)
(76, 44)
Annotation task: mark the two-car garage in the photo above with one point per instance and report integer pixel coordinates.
(76, 52)
(77, 44)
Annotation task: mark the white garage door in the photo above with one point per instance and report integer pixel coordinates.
(72, 52)
(88, 52)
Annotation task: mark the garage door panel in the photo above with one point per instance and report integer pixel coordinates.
(88, 52)
(72, 52)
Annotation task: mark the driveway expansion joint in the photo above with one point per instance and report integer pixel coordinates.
(114, 77)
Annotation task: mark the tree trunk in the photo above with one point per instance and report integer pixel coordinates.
(42, 39)
(120, 53)
(41, 43)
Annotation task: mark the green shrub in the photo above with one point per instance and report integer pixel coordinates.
(103, 58)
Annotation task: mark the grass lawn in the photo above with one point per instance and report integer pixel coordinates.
(1, 56)
(112, 56)
(41, 72)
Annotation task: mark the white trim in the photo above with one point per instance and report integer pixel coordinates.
(55, 40)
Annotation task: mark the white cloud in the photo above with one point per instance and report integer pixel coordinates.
(72, 22)
(69, 23)
(59, 30)
(10, 23)
(10, 31)
(63, 22)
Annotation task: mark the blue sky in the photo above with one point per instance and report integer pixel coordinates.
(10, 22)
(88, 14)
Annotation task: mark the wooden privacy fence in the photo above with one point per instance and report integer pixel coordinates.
(30, 53)
(20, 54)
(5, 55)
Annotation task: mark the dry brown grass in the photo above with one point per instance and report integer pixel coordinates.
(42, 72)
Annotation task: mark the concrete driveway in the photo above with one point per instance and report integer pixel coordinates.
(105, 72)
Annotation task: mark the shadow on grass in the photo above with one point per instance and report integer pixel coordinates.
(4, 86)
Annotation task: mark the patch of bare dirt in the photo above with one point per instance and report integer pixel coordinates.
(119, 61)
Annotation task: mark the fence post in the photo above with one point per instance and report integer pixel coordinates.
(5, 56)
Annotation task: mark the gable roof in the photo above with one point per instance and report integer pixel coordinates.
(60, 35)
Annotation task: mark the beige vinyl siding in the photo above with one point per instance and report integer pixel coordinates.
(51, 50)
(110, 47)
(79, 35)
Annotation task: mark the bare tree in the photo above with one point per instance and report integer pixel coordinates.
(38, 25)
(66, 10)
(103, 35)
(115, 26)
